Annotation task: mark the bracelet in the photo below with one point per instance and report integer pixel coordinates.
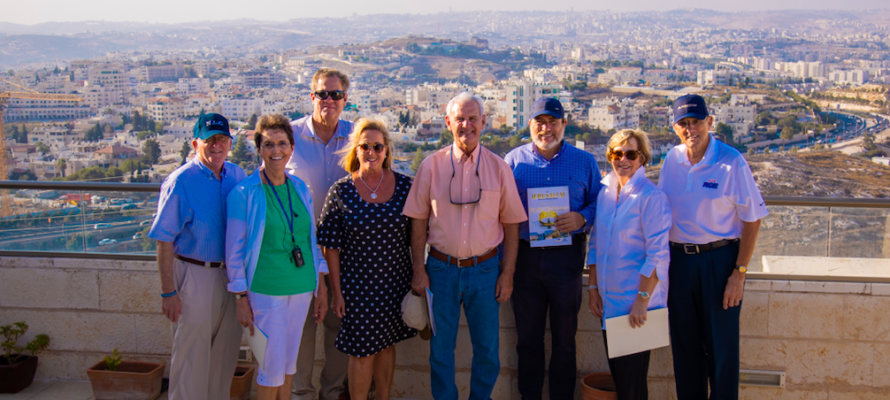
(591, 287)
(166, 295)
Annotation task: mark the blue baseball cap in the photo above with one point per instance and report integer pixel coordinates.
(690, 105)
(211, 124)
(549, 106)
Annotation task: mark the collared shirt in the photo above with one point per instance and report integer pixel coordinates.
(246, 213)
(470, 229)
(315, 162)
(711, 198)
(192, 210)
(630, 240)
(570, 166)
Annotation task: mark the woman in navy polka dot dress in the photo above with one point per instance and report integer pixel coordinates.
(366, 243)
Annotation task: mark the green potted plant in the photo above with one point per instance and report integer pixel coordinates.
(16, 369)
(115, 379)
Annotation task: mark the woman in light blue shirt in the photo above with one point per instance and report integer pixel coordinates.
(629, 247)
(273, 261)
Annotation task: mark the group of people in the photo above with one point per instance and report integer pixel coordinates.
(326, 232)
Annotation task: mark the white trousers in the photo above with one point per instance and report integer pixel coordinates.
(207, 337)
(281, 319)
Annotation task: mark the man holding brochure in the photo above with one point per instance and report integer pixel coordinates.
(629, 260)
(558, 184)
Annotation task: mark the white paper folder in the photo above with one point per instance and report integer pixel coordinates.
(257, 343)
(624, 339)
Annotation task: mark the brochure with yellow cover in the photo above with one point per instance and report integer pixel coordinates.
(544, 205)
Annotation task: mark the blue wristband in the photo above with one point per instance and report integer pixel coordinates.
(171, 294)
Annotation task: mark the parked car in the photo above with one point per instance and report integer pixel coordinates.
(105, 241)
(137, 236)
(146, 222)
(102, 226)
(129, 207)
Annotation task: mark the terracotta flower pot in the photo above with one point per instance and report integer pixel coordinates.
(242, 382)
(16, 377)
(598, 386)
(133, 380)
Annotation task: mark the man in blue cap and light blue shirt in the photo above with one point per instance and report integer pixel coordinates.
(190, 228)
(548, 279)
(716, 211)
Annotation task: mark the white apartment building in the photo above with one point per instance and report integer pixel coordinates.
(739, 114)
(241, 109)
(427, 95)
(720, 77)
(614, 114)
(853, 76)
(52, 135)
(43, 110)
(190, 86)
(620, 75)
(165, 109)
(105, 87)
(278, 107)
(520, 97)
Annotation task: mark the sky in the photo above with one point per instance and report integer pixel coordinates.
(29, 12)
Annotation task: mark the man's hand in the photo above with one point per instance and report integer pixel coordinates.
(638, 312)
(420, 281)
(244, 314)
(570, 222)
(172, 307)
(504, 287)
(735, 288)
(595, 302)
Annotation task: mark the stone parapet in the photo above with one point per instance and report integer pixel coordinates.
(832, 339)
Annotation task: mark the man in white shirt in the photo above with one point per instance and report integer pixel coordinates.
(716, 209)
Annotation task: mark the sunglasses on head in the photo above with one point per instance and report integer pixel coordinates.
(378, 147)
(335, 94)
(631, 155)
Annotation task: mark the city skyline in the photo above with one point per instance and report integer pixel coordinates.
(268, 10)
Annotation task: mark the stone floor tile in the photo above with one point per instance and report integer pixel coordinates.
(30, 392)
(66, 390)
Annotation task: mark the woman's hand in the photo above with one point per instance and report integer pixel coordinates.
(338, 305)
(321, 301)
(595, 302)
(244, 314)
(638, 312)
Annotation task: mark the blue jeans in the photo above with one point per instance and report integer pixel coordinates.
(474, 287)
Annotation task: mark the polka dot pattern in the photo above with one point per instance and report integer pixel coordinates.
(375, 265)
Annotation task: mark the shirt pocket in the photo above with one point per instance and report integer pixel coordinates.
(489, 205)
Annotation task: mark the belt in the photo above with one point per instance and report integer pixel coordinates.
(692, 248)
(220, 264)
(462, 262)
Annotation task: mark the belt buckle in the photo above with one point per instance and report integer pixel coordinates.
(690, 248)
(459, 260)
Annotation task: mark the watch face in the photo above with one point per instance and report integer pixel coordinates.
(741, 268)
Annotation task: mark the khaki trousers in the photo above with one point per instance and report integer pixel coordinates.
(335, 362)
(207, 337)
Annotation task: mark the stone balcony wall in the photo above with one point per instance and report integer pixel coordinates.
(831, 338)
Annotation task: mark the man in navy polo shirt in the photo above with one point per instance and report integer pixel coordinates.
(717, 209)
(190, 228)
(549, 278)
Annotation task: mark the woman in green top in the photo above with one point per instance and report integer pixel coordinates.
(272, 260)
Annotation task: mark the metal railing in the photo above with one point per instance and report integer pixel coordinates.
(796, 226)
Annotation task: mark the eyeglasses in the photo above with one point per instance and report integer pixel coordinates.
(690, 123)
(378, 147)
(269, 146)
(336, 95)
(453, 186)
(631, 155)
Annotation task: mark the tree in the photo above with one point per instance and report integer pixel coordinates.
(185, 150)
(418, 158)
(787, 133)
(42, 148)
(514, 141)
(63, 165)
(114, 172)
(22, 135)
(239, 152)
(868, 142)
(131, 165)
(151, 151)
(93, 134)
(251, 123)
(445, 138)
(144, 135)
(725, 130)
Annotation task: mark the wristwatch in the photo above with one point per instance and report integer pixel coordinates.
(238, 296)
(592, 287)
(743, 269)
(644, 294)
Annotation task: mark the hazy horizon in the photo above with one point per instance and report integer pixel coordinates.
(64, 11)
